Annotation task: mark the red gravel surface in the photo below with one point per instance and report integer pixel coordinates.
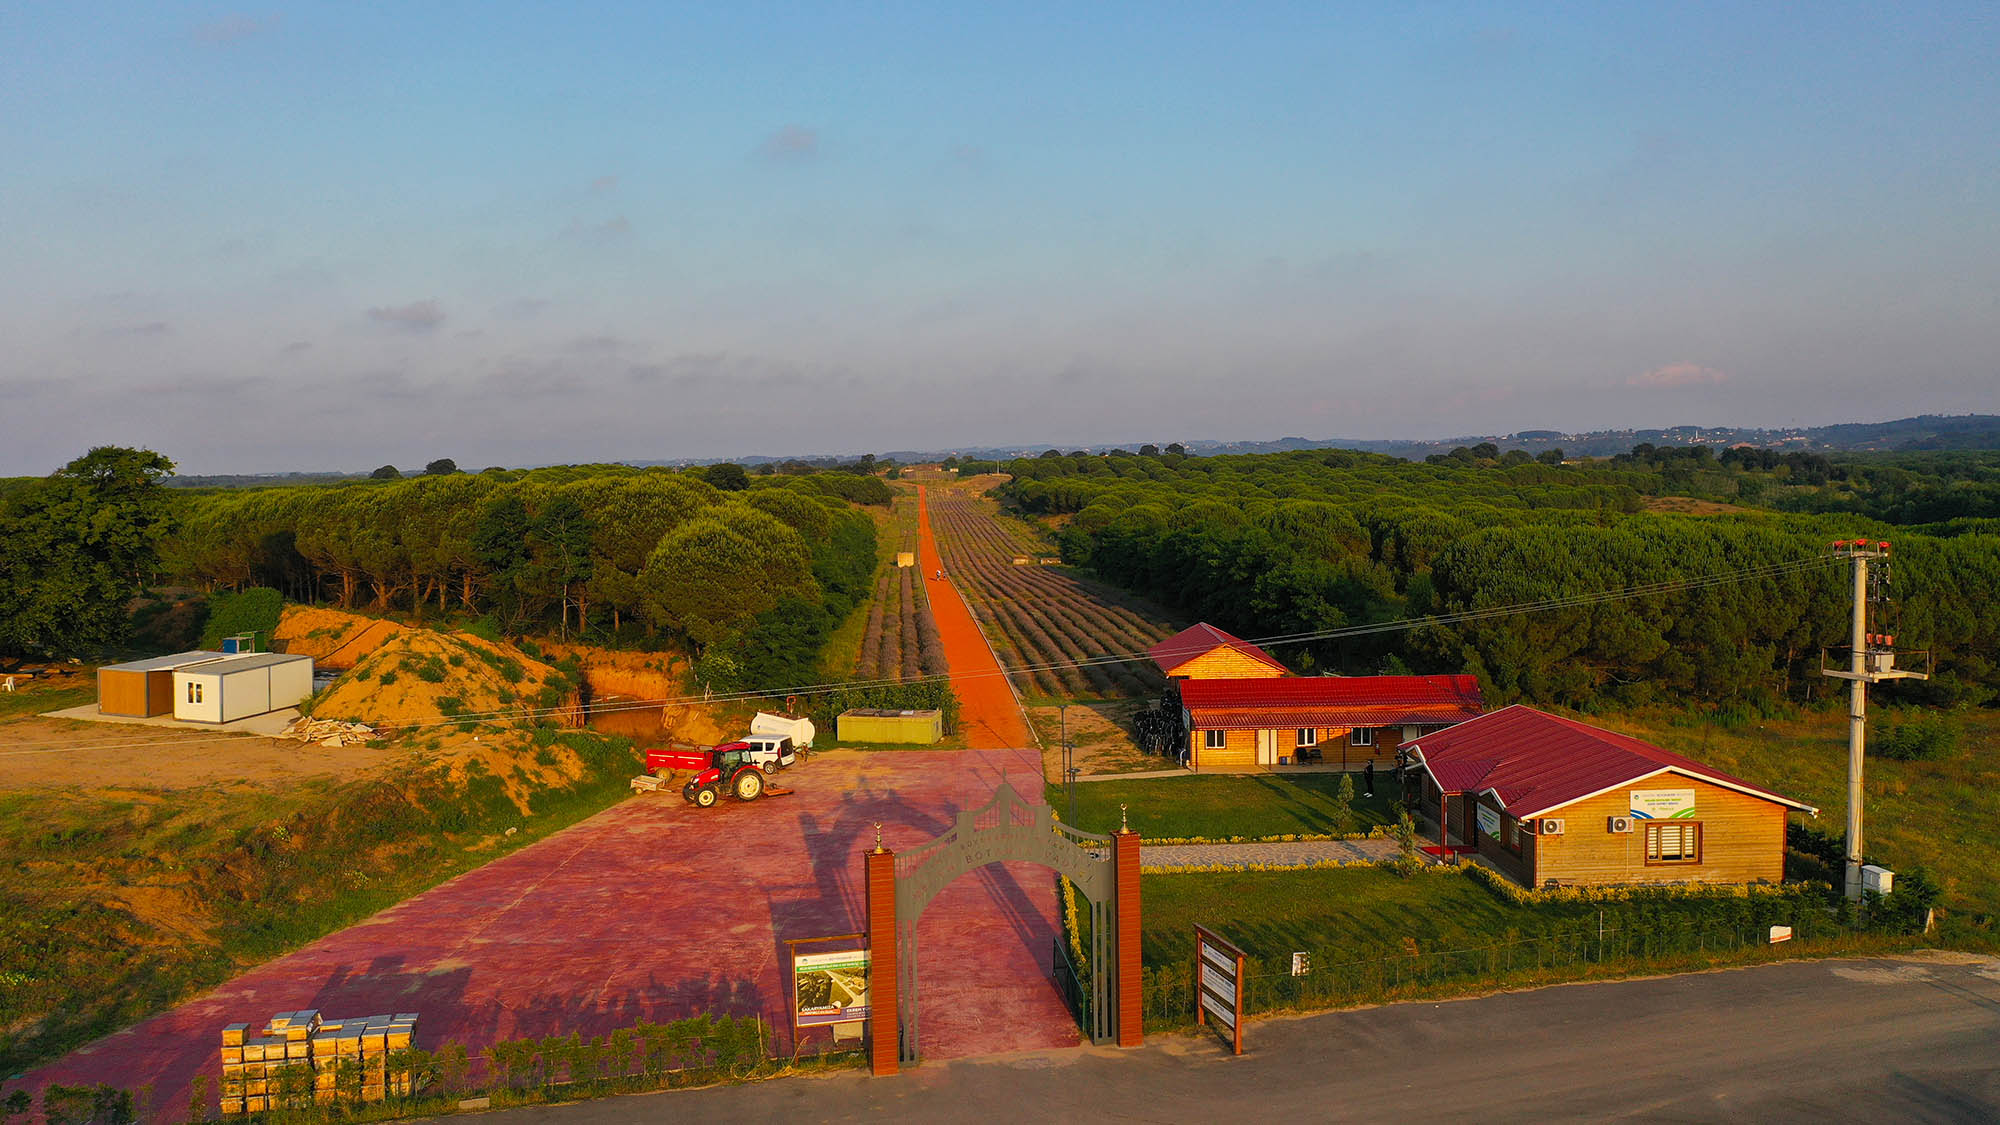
(654, 910)
(987, 709)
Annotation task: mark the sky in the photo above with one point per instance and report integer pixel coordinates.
(332, 236)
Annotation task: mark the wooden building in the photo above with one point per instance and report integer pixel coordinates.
(1350, 721)
(1554, 802)
(1204, 652)
(143, 688)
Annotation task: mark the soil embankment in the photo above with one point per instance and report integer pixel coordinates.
(336, 640)
(988, 713)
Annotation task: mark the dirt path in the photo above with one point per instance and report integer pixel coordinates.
(655, 910)
(988, 712)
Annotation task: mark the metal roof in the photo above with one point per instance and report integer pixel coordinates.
(1197, 640)
(163, 663)
(1331, 701)
(245, 662)
(1535, 762)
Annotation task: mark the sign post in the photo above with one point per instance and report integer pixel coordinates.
(1218, 986)
(829, 985)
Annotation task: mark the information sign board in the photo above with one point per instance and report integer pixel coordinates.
(829, 986)
(1219, 986)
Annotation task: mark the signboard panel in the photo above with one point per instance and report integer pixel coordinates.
(1663, 804)
(1489, 820)
(1219, 986)
(830, 987)
(1224, 1015)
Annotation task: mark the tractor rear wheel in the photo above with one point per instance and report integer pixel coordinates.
(749, 785)
(705, 797)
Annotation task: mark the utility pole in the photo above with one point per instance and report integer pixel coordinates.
(1871, 659)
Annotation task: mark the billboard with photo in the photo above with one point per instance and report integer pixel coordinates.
(829, 987)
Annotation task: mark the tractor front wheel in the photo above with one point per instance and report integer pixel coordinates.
(749, 785)
(705, 797)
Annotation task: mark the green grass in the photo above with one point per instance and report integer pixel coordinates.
(1373, 936)
(1218, 806)
(271, 868)
(34, 700)
(1942, 814)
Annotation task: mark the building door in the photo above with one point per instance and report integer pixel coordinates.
(1267, 748)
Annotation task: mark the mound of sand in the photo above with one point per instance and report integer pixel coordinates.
(423, 677)
(335, 640)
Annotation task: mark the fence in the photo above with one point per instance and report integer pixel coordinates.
(1335, 979)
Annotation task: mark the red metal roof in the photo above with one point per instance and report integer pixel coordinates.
(1331, 701)
(1536, 762)
(1195, 640)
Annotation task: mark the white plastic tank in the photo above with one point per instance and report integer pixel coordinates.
(800, 731)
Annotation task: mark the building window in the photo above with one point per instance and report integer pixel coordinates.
(1308, 737)
(194, 691)
(1215, 739)
(1361, 736)
(1671, 841)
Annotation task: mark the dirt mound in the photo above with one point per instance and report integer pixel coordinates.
(632, 675)
(422, 677)
(335, 640)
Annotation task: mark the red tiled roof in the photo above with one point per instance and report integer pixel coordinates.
(1196, 640)
(1331, 701)
(1536, 762)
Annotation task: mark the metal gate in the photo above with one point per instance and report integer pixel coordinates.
(1007, 829)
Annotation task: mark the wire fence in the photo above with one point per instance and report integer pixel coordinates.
(1316, 979)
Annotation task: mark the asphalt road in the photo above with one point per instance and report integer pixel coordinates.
(1873, 1040)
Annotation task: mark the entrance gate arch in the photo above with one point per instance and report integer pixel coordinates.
(1104, 869)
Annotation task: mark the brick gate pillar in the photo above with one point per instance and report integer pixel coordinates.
(884, 1038)
(1125, 960)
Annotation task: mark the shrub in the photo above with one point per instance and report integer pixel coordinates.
(1918, 739)
(255, 610)
(431, 671)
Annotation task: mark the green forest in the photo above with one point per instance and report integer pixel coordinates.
(1273, 545)
(749, 572)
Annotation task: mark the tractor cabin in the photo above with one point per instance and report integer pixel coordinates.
(1346, 721)
(1550, 801)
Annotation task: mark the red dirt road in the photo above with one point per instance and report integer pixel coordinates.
(987, 710)
(654, 910)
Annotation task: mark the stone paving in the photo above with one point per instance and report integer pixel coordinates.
(1159, 857)
(654, 910)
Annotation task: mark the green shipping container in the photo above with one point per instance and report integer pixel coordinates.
(915, 728)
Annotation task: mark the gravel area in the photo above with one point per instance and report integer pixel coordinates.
(1169, 856)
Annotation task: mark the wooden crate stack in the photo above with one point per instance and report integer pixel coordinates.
(302, 1058)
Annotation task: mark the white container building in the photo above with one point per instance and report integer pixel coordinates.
(237, 687)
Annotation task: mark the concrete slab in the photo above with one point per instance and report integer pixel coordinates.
(269, 724)
(654, 910)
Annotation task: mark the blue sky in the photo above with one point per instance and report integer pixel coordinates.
(310, 236)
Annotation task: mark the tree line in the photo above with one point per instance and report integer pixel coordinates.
(1289, 543)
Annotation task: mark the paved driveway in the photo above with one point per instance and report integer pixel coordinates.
(655, 910)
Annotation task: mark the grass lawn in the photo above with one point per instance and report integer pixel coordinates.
(1942, 814)
(35, 699)
(1217, 806)
(1372, 935)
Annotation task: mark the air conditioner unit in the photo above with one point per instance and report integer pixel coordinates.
(1551, 826)
(1618, 824)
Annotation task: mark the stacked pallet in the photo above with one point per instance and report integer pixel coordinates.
(302, 1059)
(328, 732)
